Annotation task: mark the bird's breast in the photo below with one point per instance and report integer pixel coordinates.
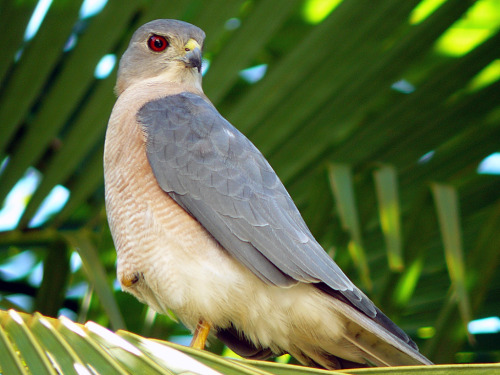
(165, 257)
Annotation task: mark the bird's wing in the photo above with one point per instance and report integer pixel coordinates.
(216, 174)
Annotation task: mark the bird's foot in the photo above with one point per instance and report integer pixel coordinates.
(130, 279)
(200, 335)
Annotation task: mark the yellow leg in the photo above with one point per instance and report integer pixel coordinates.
(200, 335)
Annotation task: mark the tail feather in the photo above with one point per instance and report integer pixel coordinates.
(334, 334)
(377, 345)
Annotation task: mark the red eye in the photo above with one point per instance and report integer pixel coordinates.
(157, 43)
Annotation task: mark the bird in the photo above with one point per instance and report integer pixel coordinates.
(204, 228)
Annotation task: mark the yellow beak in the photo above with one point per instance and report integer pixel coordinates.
(192, 58)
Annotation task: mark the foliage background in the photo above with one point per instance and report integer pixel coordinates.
(377, 116)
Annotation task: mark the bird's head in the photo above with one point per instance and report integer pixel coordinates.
(169, 50)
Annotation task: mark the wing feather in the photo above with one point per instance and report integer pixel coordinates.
(216, 174)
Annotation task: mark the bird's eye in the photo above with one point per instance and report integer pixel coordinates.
(157, 43)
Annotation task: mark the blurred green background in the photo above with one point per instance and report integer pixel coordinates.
(382, 118)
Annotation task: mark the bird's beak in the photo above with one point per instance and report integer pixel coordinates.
(192, 58)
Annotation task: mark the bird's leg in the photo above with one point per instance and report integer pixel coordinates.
(200, 335)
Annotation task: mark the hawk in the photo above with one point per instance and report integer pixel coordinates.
(203, 226)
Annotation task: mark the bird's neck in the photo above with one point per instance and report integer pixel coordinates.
(186, 77)
(140, 92)
(189, 79)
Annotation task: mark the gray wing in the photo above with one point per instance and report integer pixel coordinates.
(216, 174)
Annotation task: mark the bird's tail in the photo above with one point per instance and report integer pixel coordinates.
(333, 335)
(365, 339)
